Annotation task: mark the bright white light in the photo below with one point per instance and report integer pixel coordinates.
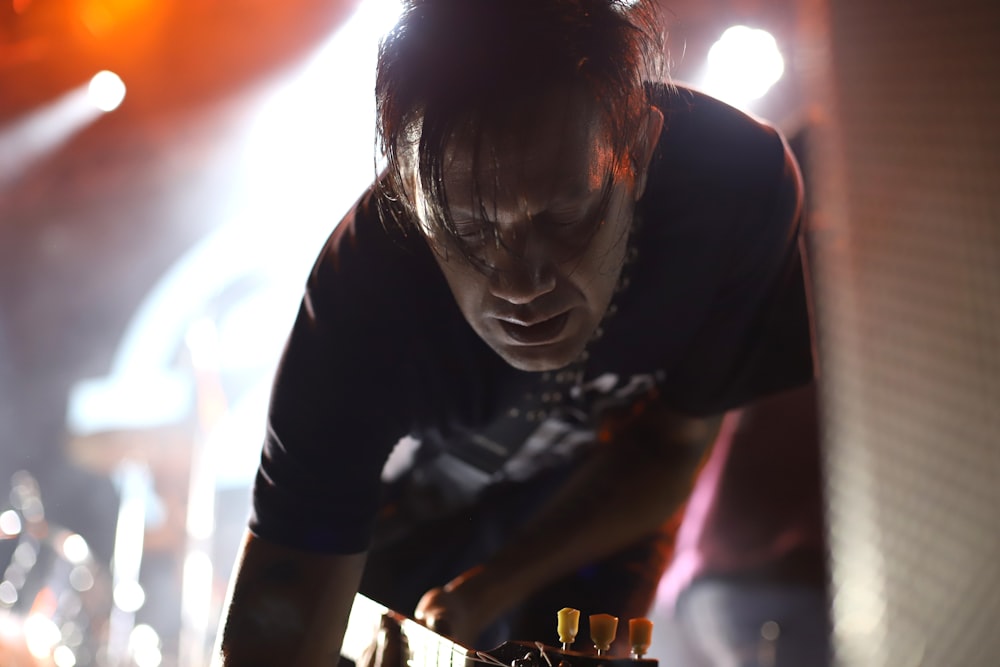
(743, 65)
(63, 656)
(203, 342)
(11, 630)
(143, 635)
(150, 656)
(144, 646)
(75, 549)
(138, 399)
(41, 132)
(129, 596)
(322, 121)
(41, 634)
(106, 90)
(376, 16)
(197, 589)
(10, 523)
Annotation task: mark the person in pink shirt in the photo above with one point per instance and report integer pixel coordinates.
(747, 584)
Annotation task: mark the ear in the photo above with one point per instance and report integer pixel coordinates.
(645, 146)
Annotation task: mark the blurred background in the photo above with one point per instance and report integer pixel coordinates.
(169, 169)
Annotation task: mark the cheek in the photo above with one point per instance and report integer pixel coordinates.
(607, 252)
(597, 274)
(467, 285)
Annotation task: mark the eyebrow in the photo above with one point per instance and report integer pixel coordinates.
(586, 199)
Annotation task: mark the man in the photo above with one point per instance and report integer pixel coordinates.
(565, 274)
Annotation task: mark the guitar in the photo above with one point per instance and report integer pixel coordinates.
(426, 648)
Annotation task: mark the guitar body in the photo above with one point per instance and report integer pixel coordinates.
(379, 637)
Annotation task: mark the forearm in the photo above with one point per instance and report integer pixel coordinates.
(628, 488)
(287, 607)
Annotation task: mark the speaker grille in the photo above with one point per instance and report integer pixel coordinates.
(907, 267)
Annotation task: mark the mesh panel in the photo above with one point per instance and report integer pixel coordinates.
(908, 273)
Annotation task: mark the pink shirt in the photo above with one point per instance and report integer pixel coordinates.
(758, 497)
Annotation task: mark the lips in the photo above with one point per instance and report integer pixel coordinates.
(539, 333)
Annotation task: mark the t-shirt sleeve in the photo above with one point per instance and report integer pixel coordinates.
(754, 337)
(330, 426)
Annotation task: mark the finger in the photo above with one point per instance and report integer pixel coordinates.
(439, 624)
(387, 649)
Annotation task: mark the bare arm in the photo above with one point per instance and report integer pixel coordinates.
(287, 607)
(628, 488)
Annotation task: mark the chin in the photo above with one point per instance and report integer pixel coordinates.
(536, 359)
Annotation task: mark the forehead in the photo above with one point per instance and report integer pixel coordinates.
(553, 146)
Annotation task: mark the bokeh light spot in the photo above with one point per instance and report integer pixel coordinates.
(106, 90)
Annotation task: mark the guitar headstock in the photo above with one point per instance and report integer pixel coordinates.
(603, 629)
(422, 647)
(536, 654)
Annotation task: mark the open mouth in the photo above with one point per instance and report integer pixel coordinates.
(540, 333)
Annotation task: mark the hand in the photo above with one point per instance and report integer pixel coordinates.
(449, 611)
(388, 648)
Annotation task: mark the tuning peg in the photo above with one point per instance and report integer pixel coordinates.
(640, 636)
(603, 628)
(568, 626)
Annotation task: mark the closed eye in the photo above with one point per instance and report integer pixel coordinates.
(569, 220)
(471, 231)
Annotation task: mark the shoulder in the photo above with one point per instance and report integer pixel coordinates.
(377, 307)
(370, 252)
(722, 173)
(374, 307)
(370, 270)
(718, 279)
(691, 115)
(707, 142)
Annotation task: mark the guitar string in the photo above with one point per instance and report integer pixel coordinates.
(541, 649)
(482, 657)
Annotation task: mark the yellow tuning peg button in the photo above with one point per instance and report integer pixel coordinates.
(640, 635)
(603, 628)
(569, 625)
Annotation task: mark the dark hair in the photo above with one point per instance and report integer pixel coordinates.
(464, 61)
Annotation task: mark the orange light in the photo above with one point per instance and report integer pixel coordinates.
(97, 18)
(45, 603)
(102, 16)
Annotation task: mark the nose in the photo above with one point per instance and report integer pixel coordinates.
(521, 282)
(521, 272)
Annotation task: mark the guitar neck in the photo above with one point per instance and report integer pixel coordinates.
(426, 648)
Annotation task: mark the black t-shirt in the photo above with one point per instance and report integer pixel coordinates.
(711, 313)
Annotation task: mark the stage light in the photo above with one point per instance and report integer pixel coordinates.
(63, 656)
(743, 65)
(41, 634)
(43, 131)
(144, 646)
(75, 549)
(129, 596)
(10, 524)
(106, 90)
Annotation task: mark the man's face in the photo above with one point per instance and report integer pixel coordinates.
(538, 294)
